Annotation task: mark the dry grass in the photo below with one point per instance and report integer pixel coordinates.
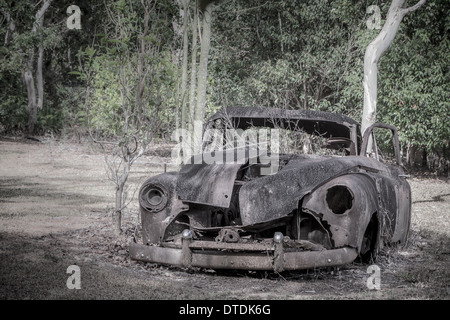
(54, 200)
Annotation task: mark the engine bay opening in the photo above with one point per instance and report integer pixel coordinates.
(339, 199)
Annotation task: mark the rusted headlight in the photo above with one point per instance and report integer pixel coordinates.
(339, 199)
(153, 197)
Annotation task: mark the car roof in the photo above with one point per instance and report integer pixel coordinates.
(326, 123)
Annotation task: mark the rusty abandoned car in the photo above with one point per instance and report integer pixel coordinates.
(321, 200)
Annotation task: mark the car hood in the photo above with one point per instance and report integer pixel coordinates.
(267, 197)
(210, 184)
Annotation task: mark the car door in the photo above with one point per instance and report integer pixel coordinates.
(381, 142)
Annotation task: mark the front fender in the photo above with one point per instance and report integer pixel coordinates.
(154, 224)
(345, 204)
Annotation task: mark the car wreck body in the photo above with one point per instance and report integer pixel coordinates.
(278, 211)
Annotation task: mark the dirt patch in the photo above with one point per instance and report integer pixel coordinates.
(55, 204)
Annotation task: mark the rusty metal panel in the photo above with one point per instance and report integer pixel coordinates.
(272, 197)
(346, 227)
(231, 246)
(210, 184)
(156, 254)
(403, 216)
(238, 261)
(314, 259)
(286, 260)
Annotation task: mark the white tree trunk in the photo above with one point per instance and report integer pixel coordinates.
(40, 78)
(373, 53)
(202, 76)
(31, 93)
(184, 75)
(34, 102)
(11, 25)
(193, 85)
(39, 22)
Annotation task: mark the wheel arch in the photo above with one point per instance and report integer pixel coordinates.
(348, 222)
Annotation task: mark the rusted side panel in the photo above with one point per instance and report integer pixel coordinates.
(403, 221)
(395, 202)
(272, 197)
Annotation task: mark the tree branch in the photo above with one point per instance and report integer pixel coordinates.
(414, 7)
(40, 14)
(11, 24)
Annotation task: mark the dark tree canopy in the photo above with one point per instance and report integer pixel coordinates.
(285, 54)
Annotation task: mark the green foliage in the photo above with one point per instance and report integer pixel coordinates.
(13, 99)
(310, 54)
(110, 71)
(414, 78)
(289, 54)
(13, 105)
(14, 56)
(73, 113)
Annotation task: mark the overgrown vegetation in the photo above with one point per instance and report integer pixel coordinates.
(306, 55)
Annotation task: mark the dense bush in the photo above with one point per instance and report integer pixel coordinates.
(287, 54)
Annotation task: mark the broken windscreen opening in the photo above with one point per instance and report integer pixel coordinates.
(283, 136)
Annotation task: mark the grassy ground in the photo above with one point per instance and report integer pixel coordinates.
(55, 205)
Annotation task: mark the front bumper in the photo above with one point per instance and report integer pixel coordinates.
(269, 256)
